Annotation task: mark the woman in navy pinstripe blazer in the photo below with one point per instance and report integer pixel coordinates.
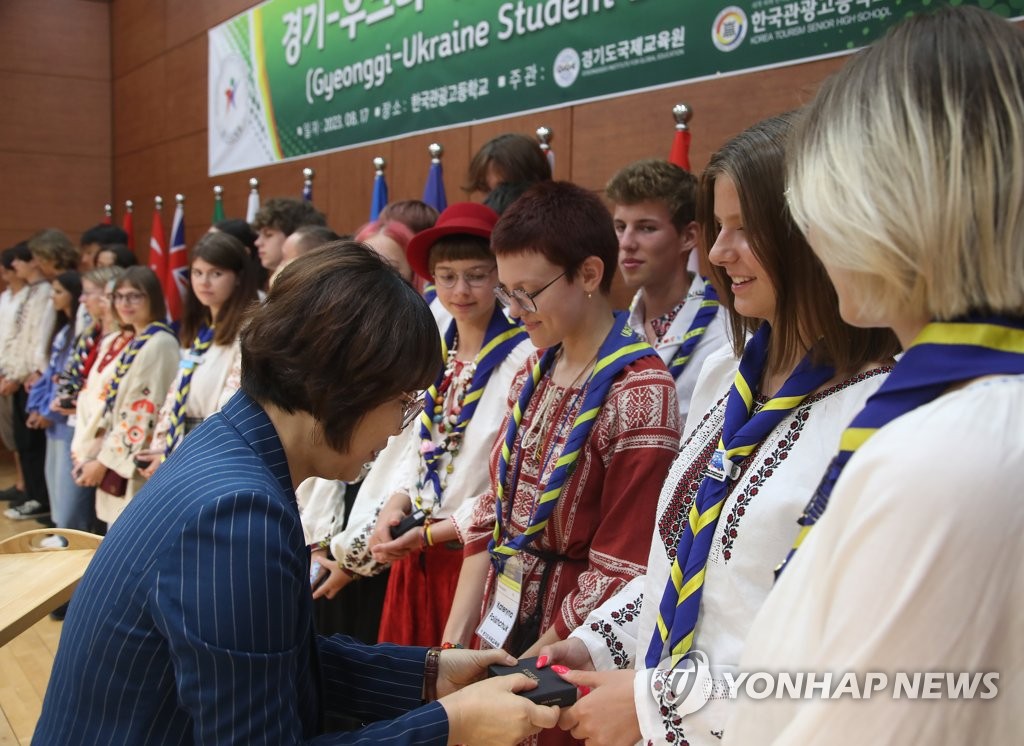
(193, 623)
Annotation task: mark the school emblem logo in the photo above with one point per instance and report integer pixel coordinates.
(729, 29)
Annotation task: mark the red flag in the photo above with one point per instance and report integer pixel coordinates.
(158, 244)
(127, 225)
(177, 262)
(680, 153)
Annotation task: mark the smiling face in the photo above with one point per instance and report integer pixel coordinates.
(559, 306)
(651, 250)
(751, 286)
(132, 305)
(212, 285)
(467, 303)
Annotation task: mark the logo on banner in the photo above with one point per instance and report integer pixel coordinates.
(231, 99)
(729, 29)
(567, 67)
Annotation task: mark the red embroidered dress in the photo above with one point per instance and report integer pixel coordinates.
(602, 524)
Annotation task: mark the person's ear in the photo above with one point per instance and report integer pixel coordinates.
(590, 273)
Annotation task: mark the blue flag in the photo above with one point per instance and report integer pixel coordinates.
(433, 192)
(380, 195)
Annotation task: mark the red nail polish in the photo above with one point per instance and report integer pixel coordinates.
(542, 661)
(584, 691)
(560, 669)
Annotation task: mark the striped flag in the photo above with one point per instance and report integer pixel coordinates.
(176, 277)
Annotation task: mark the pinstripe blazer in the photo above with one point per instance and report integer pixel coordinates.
(193, 622)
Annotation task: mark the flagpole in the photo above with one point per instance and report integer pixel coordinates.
(128, 225)
(544, 134)
(433, 191)
(253, 205)
(108, 214)
(380, 188)
(680, 153)
(218, 204)
(307, 184)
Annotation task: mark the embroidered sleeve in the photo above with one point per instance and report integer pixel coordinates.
(610, 631)
(234, 380)
(636, 437)
(134, 416)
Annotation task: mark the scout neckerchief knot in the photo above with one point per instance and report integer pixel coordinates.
(942, 355)
(620, 348)
(742, 432)
(84, 344)
(128, 357)
(699, 325)
(199, 347)
(501, 337)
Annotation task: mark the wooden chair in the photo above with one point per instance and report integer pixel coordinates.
(36, 580)
(28, 541)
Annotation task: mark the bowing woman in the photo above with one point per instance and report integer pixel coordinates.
(222, 287)
(439, 462)
(764, 420)
(591, 427)
(140, 380)
(913, 557)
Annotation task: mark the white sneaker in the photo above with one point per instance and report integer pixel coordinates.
(27, 511)
(53, 542)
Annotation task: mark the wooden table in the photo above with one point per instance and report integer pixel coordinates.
(32, 584)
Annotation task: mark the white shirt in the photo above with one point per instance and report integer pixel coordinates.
(668, 345)
(756, 528)
(398, 468)
(916, 566)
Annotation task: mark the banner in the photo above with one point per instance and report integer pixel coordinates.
(290, 78)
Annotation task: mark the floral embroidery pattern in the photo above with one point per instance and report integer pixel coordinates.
(730, 527)
(628, 613)
(615, 647)
(672, 722)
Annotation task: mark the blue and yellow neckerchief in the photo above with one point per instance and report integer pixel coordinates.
(124, 364)
(705, 315)
(502, 336)
(742, 432)
(202, 342)
(942, 355)
(620, 348)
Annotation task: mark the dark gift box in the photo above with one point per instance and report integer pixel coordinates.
(552, 689)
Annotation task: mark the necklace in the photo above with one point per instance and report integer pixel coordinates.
(451, 394)
(534, 437)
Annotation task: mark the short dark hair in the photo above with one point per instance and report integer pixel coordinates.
(241, 230)
(654, 180)
(339, 334)
(414, 214)
(565, 223)
(7, 258)
(21, 252)
(123, 257)
(286, 214)
(516, 157)
(226, 252)
(807, 307)
(313, 236)
(104, 235)
(145, 279)
(458, 247)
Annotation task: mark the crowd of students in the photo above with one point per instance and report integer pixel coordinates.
(627, 495)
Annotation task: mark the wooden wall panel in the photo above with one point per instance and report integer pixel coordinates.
(189, 19)
(185, 77)
(140, 118)
(61, 38)
(55, 123)
(138, 32)
(47, 114)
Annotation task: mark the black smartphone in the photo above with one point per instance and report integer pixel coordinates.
(411, 521)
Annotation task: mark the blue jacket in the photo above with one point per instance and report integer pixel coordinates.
(193, 623)
(41, 396)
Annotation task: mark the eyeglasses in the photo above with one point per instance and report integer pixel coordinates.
(412, 405)
(130, 298)
(477, 279)
(524, 299)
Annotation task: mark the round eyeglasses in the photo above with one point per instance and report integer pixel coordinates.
(475, 279)
(525, 300)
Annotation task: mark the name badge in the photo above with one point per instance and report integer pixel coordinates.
(72, 420)
(721, 468)
(504, 609)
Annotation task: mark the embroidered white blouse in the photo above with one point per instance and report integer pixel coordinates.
(667, 346)
(916, 567)
(755, 530)
(399, 469)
